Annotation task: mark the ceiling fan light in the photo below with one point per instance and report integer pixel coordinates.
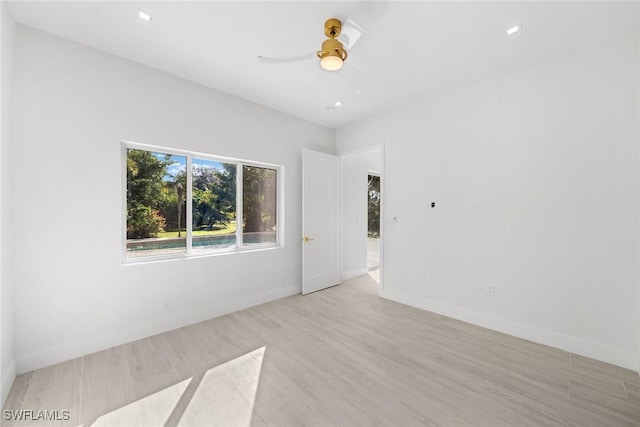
(331, 63)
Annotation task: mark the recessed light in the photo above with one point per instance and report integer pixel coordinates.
(144, 15)
(514, 30)
(337, 103)
(330, 109)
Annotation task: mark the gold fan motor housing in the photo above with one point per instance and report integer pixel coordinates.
(332, 46)
(332, 28)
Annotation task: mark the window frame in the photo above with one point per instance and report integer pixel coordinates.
(239, 247)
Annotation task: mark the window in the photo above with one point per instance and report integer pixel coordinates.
(213, 205)
(181, 204)
(259, 205)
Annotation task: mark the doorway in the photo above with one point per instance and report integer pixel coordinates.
(373, 222)
(363, 240)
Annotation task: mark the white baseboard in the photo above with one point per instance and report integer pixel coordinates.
(88, 345)
(7, 381)
(576, 345)
(346, 275)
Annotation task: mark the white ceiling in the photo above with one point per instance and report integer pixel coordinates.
(413, 50)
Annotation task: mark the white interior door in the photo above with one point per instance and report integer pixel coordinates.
(320, 221)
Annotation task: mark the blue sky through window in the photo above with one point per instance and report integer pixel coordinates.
(212, 164)
(179, 163)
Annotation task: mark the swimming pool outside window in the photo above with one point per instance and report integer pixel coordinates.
(180, 203)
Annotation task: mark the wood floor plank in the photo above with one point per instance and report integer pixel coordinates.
(15, 399)
(584, 413)
(342, 357)
(108, 394)
(55, 388)
(605, 402)
(586, 366)
(281, 401)
(632, 392)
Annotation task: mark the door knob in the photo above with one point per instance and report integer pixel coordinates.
(307, 239)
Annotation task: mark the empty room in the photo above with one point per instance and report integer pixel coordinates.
(317, 213)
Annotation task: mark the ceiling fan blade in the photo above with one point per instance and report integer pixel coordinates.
(372, 12)
(353, 29)
(350, 34)
(282, 60)
(354, 78)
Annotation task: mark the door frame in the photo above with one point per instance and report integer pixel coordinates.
(376, 148)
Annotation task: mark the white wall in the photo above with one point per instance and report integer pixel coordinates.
(551, 156)
(355, 170)
(7, 364)
(73, 106)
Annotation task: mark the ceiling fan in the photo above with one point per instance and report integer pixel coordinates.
(333, 52)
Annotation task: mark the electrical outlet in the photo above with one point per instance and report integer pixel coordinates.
(431, 280)
(166, 306)
(474, 205)
(490, 291)
(283, 282)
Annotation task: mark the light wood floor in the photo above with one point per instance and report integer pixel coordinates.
(341, 356)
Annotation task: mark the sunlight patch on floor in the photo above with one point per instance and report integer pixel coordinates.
(156, 408)
(223, 395)
(375, 274)
(226, 395)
